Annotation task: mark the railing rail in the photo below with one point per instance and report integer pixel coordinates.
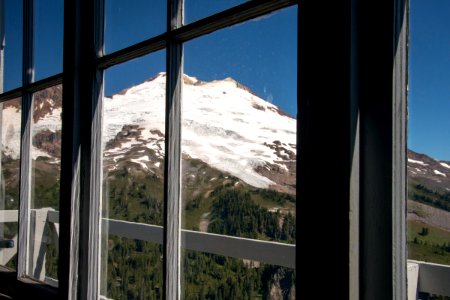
(432, 278)
(422, 277)
(263, 251)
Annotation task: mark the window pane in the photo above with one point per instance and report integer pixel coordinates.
(45, 174)
(11, 56)
(48, 37)
(133, 187)
(239, 131)
(135, 269)
(198, 9)
(210, 276)
(428, 168)
(9, 179)
(130, 22)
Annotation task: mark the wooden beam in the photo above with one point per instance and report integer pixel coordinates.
(172, 168)
(23, 258)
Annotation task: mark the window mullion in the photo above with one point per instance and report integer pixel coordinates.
(399, 164)
(172, 182)
(25, 159)
(90, 96)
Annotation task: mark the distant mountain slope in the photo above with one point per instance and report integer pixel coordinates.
(428, 180)
(433, 172)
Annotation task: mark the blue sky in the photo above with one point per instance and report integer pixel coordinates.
(48, 40)
(260, 54)
(429, 78)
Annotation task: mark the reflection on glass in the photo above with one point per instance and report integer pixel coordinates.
(210, 276)
(428, 167)
(239, 142)
(10, 116)
(11, 37)
(48, 37)
(46, 162)
(133, 186)
(129, 22)
(198, 9)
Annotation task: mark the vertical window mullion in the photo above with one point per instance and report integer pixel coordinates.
(90, 96)
(96, 171)
(172, 182)
(2, 52)
(25, 159)
(399, 164)
(2, 43)
(70, 157)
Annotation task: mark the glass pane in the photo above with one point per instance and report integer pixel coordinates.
(211, 276)
(133, 186)
(198, 9)
(130, 22)
(428, 169)
(48, 37)
(239, 130)
(10, 116)
(124, 281)
(46, 163)
(11, 54)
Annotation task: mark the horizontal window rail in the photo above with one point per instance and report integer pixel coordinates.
(32, 87)
(232, 16)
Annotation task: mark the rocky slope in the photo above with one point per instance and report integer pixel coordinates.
(428, 190)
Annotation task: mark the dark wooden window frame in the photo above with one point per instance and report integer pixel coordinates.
(347, 39)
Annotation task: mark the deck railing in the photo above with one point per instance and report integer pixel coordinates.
(423, 278)
(263, 251)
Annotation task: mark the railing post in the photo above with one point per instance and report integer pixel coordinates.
(8, 253)
(38, 218)
(413, 279)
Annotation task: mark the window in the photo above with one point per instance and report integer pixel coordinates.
(102, 171)
(428, 218)
(31, 137)
(144, 201)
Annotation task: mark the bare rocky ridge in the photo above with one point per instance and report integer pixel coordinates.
(435, 174)
(49, 142)
(46, 101)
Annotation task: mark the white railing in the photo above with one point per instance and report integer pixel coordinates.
(422, 277)
(263, 251)
(267, 252)
(428, 278)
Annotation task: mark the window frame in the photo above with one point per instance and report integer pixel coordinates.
(91, 78)
(354, 35)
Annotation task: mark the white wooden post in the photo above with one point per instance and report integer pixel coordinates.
(8, 216)
(37, 249)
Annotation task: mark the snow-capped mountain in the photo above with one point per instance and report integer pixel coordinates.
(224, 125)
(46, 126)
